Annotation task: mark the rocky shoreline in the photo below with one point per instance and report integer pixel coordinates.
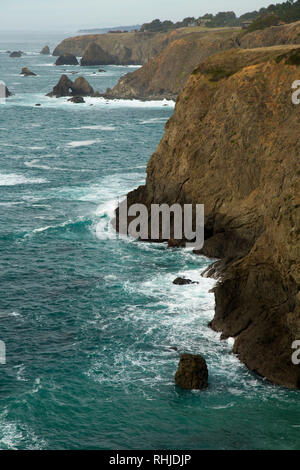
(231, 145)
(168, 59)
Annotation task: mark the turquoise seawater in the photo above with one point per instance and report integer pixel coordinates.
(90, 320)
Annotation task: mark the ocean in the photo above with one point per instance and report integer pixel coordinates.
(92, 322)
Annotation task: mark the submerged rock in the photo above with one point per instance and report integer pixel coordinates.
(95, 55)
(16, 54)
(77, 99)
(26, 72)
(65, 87)
(192, 373)
(45, 50)
(67, 59)
(181, 281)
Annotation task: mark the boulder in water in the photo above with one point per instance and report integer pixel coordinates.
(45, 50)
(67, 59)
(77, 99)
(181, 281)
(192, 373)
(16, 54)
(7, 92)
(26, 72)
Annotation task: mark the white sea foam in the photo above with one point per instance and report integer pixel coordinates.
(155, 120)
(95, 127)
(36, 148)
(83, 143)
(14, 434)
(35, 164)
(31, 99)
(14, 179)
(130, 103)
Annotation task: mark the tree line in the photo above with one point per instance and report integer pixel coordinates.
(287, 12)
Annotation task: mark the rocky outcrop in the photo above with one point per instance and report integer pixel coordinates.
(232, 146)
(27, 73)
(77, 100)
(181, 281)
(45, 50)
(7, 92)
(95, 55)
(192, 373)
(65, 87)
(67, 59)
(16, 54)
(81, 87)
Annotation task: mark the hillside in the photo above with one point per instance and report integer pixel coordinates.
(232, 146)
(166, 74)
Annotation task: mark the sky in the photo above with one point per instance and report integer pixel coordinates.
(71, 15)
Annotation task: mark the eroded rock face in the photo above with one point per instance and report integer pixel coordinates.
(231, 145)
(27, 73)
(67, 59)
(45, 50)
(81, 87)
(95, 55)
(192, 373)
(63, 87)
(66, 87)
(165, 75)
(127, 48)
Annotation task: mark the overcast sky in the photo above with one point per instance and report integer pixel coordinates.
(66, 15)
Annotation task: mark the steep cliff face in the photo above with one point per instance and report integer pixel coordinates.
(126, 48)
(233, 145)
(164, 76)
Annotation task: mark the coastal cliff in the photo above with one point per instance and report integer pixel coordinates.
(165, 75)
(134, 48)
(233, 146)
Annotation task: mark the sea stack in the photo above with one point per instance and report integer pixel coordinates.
(27, 73)
(192, 373)
(45, 50)
(67, 59)
(95, 55)
(65, 87)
